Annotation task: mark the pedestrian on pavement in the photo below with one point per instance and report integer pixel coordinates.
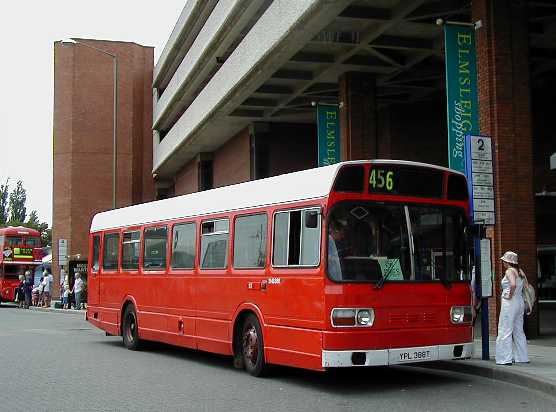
(35, 296)
(66, 296)
(62, 281)
(40, 289)
(77, 290)
(511, 344)
(51, 281)
(20, 292)
(28, 289)
(45, 290)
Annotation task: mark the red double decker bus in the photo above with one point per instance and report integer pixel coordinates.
(21, 251)
(356, 264)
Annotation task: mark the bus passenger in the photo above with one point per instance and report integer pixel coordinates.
(337, 249)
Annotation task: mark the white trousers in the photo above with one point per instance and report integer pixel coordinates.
(511, 344)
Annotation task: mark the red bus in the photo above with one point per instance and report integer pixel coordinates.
(21, 251)
(356, 264)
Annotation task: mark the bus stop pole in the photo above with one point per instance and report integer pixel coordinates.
(484, 329)
(484, 301)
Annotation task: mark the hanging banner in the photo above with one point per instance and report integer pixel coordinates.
(461, 90)
(328, 129)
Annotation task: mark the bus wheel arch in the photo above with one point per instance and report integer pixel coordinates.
(248, 343)
(129, 326)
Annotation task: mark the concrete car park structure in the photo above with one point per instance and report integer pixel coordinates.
(235, 86)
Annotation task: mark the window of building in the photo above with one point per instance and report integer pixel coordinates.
(110, 255)
(96, 252)
(206, 175)
(154, 257)
(183, 246)
(250, 241)
(131, 249)
(214, 244)
(297, 238)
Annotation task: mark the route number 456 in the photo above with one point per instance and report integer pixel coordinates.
(381, 178)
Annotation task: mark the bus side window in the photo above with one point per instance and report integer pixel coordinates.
(131, 249)
(154, 256)
(214, 244)
(296, 241)
(96, 252)
(250, 241)
(111, 251)
(183, 246)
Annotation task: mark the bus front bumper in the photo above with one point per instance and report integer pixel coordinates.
(397, 356)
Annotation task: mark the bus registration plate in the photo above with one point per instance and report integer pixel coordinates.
(421, 354)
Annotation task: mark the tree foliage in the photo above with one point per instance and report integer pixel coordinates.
(18, 197)
(4, 191)
(33, 219)
(16, 210)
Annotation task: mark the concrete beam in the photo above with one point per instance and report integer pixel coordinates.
(190, 22)
(219, 31)
(279, 33)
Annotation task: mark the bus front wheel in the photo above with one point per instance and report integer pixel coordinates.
(130, 332)
(252, 347)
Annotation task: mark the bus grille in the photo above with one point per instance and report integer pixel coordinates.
(412, 317)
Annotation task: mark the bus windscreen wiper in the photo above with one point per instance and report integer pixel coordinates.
(445, 281)
(380, 283)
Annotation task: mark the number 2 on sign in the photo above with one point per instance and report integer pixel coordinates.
(378, 180)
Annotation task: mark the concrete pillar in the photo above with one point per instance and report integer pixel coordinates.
(358, 116)
(505, 115)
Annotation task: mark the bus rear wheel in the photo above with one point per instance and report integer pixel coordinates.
(252, 347)
(130, 331)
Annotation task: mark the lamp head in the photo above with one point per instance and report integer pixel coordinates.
(68, 41)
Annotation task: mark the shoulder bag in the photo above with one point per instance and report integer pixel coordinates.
(529, 295)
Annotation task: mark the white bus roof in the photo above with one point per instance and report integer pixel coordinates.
(298, 186)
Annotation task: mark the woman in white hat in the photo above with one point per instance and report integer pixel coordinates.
(511, 344)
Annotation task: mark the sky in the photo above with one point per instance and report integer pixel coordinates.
(28, 30)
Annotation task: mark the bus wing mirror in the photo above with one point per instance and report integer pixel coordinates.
(312, 219)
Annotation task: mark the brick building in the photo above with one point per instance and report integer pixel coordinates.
(234, 87)
(83, 136)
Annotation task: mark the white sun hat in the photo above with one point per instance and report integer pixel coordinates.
(510, 257)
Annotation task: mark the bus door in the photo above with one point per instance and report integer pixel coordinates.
(295, 288)
(93, 290)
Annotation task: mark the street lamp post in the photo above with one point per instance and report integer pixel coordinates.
(115, 112)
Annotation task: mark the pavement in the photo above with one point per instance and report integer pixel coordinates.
(539, 374)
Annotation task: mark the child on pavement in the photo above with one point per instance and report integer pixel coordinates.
(65, 296)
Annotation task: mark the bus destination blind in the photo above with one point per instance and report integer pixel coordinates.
(405, 181)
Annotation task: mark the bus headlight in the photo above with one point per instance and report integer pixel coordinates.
(461, 314)
(348, 317)
(365, 317)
